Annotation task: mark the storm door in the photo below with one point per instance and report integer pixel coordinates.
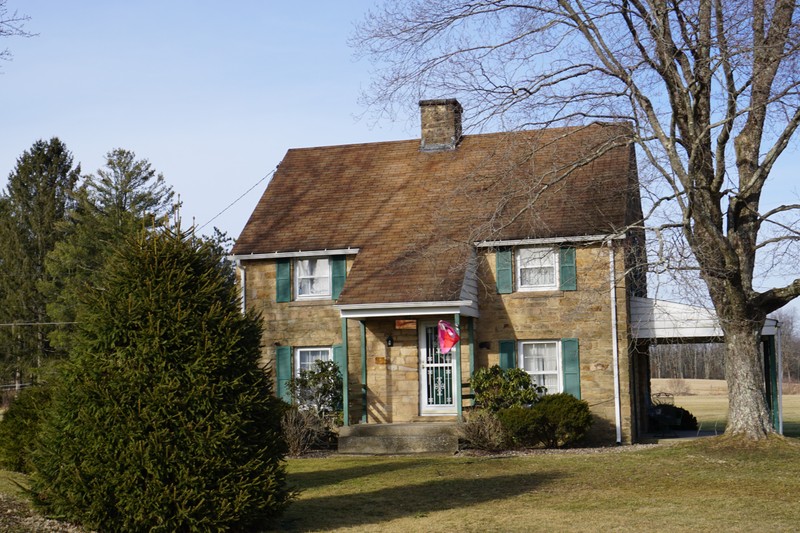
(436, 373)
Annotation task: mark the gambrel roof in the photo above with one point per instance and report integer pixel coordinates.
(414, 215)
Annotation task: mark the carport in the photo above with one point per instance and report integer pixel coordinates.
(661, 322)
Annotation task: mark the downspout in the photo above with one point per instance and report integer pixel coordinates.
(615, 341)
(779, 365)
(346, 378)
(243, 295)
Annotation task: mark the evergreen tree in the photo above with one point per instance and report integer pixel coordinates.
(124, 197)
(36, 200)
(162, 419)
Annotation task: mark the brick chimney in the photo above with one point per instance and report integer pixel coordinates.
(441, 124)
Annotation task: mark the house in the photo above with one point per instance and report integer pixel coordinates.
(528, 242)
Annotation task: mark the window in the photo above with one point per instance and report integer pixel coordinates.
(312, 278)
(542, 360)
(537, 269)
(305, 358)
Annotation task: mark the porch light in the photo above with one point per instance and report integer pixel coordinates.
(389, 341)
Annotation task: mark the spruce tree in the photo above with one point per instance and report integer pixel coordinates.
(162, 419)
(33, 206)
(124, 197)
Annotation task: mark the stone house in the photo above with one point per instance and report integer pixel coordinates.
(528, 242)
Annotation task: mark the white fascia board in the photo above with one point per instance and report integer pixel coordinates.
(377, 310)
(299, 253)
(550, 240)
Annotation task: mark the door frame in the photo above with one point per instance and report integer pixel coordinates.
(424, 408)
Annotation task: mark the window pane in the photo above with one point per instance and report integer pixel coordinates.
(540, 360)
(313, 277)
(537, 267)
(307, 356)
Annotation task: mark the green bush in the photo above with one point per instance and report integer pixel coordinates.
(163, 419)
(482, 430)
(561, 420)
(667, 414)
(20, 426)
(521, 424)
(496, 388)
(319, 390)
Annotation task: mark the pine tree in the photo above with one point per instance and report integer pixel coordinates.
(162, 419)
(36, 200)
(123, 198)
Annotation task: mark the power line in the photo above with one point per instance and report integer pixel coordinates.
(12, 324)
(268, 175)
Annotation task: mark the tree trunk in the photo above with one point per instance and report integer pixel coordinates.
(748, 415)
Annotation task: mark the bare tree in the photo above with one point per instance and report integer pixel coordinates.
(11, 25)
(710, 88)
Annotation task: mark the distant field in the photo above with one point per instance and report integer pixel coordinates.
(707, 400)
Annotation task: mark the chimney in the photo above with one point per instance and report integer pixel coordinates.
(441, 124)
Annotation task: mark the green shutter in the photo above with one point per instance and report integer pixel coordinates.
(505, 271)
(283, 371)
(508, 355)
(283, 281)
(338, 274)
(568, 278)
(571, 367)
(338, 358)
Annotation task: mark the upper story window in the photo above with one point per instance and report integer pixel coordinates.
(537, 269)
(317, 277)
(529, 268)
(312, 278)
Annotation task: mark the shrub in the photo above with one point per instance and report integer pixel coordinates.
(301, 430)
(561, 420)
(319, 390)
(520, 424)
(483, 431)
(668, 416)
(162, 419)
(20, 426)
(497, 389)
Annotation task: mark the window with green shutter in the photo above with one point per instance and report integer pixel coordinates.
(505, 271)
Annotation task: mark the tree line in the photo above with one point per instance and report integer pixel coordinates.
(57, 228)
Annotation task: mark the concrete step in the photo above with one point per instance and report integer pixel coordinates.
(382, 439)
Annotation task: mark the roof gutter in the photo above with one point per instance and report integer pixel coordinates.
(550, 240)
(298, 253)
(392, 309)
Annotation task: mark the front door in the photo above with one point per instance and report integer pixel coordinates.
(436, 374)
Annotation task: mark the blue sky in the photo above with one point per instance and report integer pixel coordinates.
(212, 93)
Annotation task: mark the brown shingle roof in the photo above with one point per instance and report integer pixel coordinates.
(414, 215)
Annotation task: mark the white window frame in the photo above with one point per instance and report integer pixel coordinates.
(322, 349)
(558, 371)
(326, 295)
(551, 253)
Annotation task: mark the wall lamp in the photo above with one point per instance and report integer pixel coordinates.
(389, 341)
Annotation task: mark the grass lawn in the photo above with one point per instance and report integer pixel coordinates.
(686, 487)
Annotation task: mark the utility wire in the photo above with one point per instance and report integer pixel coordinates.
(12, 324)
(268, 175)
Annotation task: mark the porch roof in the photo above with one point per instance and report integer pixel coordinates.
(659, 319)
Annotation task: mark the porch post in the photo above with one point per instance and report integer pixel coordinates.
(346, 378)
(363, 331)
(471, 325)
(458, 369)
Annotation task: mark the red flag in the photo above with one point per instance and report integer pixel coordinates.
(447, 336)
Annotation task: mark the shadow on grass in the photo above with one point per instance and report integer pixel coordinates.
(320, 478)
(400, 501)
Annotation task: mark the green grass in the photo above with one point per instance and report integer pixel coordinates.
(711, 411)
(689, 487)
